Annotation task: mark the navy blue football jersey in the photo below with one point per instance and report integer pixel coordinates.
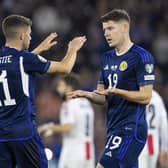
(129, 71)
(17, 108)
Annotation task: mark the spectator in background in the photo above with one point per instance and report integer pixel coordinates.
(160, 47)
(76, 126)
(156, 148)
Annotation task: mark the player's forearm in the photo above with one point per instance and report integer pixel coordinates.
(37, 50)
(62, 128)
(95, 98)
(66, 65)
(134, 96)
(163, 158)
(69, 59)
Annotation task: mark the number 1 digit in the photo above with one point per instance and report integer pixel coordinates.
(8, 100)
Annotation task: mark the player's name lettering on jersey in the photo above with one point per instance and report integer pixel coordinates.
(5, 59)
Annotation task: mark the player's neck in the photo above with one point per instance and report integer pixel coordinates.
(14, 44)
(124, 47)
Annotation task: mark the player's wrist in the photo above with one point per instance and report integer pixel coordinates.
(37, 50)
(72, 49)
(115, 91)
(71, 53)
(89, 95)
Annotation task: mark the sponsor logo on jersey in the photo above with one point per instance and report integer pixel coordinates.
(42, 59)
(108, 154)
(128, 128)
(106, 67)
(149, 68)
(149, 77)
(123, 66)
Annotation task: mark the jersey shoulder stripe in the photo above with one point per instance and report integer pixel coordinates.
(105, 56)
(109, 52)
(144, 54)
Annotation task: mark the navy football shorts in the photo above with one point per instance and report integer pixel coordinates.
(121, 151)
(25, 154)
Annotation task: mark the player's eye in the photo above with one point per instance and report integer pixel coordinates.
(110, 28)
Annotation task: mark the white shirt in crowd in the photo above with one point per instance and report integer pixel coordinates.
(157, 132)
(78, 144)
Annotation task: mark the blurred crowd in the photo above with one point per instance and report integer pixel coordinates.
(71, 18)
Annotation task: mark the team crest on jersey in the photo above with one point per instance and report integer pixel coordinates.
(123, 66)
(42, 59)
(149, 68)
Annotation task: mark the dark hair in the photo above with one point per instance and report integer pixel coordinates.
(12, 24)
(116, 15)
(72, 80)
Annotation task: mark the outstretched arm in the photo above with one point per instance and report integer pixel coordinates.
(55, 128)
(66, 65)
(92, 96)
(62, 128)
(163, 156)
(46, 44)
(142, 96)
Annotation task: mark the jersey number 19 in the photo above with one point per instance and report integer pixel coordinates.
(113, 80)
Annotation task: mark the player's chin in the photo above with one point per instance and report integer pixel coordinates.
(111, 44)
(26, 47)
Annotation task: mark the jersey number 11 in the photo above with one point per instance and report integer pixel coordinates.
(8, 100)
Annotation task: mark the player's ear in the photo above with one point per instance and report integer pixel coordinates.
(21, 36)
(125, 27)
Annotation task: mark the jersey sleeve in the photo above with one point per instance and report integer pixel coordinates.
(144, 69)
(101, 73)
(35, 63)
(101, 78)
(67, 113)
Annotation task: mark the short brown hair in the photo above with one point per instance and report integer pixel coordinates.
(12, 23)
(116, 15)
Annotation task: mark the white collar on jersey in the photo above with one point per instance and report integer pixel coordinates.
(122, 53)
